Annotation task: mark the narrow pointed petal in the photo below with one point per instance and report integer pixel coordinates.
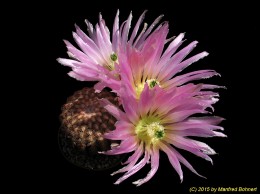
(126, 146)
(181, 115)
(196, 75)
(148, 31)
(131, 161)
(172, 158)
(135, 169)
(117, 113)
(178, 68)
(182, 143)
(154, 168)
(185, 162)
(136, 28)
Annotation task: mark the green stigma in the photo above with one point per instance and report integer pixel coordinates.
(113, 57)
(159, 134)
(151, 83)
(111, 64)
(150, 130)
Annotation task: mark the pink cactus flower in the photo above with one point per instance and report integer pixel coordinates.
(98, 56)
(161, 120)
(153, 64)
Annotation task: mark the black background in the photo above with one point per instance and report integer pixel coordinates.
(225, 31)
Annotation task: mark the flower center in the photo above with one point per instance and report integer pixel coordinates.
(149, 130)
(151, 83)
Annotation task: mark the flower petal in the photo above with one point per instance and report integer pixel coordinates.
(138, 43)
(131, 160)
(195, 75)
(175, 60)
(154, 167)
(122, 131)
(136, 28)
(112, 109)
(135, 168)
(181, 115)
(178, 68)
(184, 143)
(126, 146)
(185, 162)
(172, 158)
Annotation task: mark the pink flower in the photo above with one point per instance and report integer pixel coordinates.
(149, 63)
(98, 56)
(161, 120)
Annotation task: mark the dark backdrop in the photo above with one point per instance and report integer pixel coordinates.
(225, 31)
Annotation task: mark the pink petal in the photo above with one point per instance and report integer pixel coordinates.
(199, 133)
(136, 28)
(86, 39)
(138, 43)
(131, 160)
(105, 34)
(184, 161)
(88, 50)
(75, 64)
(212, 120)
(130, 105)
(178, 68)
(139, 36)
(219, 134)
(90, 29)
(181, 115)
(196, 75)
(139, 151)
(172, 158)
(86, 72)
(105, 48)
(188, 124)
(126, 146)
(144, 104)
(112, 109)
(135, 168)
(184, 143)
(211, 87)
(76, 53)
(115, 35)
(99, 86)
(204, 147)
(161, 102)
(126, 29)
(175, 60)
(154, 167)
(194, 132)
(79, 77)
(173, 46)
(112, 83)
(155, 43)
(122, 131)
